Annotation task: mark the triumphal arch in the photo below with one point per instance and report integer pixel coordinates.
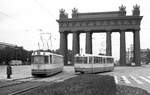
(97, 22)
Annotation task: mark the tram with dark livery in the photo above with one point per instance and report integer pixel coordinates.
(46, 63)
(89, 63)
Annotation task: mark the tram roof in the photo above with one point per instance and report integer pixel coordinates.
(44, 53)
(92, 55)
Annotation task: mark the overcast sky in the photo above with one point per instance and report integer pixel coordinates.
(21, 22)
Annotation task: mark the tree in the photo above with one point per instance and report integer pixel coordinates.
(14, 53)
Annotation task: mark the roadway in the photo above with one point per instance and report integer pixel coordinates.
(131, 76)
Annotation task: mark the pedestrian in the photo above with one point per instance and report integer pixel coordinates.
(9, 71)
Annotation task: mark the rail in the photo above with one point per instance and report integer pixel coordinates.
(27, 86)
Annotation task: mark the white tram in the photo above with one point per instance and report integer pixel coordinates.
(46, 63)
(88, 63)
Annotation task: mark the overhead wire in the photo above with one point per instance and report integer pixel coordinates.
(50, 14)
(13, 18)
(25, 26)
(44, 8)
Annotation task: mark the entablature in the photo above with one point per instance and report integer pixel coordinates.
(97, 21)
(128, 22)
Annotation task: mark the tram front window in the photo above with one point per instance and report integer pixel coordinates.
(38, 59)
(46, 59)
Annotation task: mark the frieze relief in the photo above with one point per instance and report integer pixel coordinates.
(77, 24)
(105, 23)
(126, 22)
(90, 23)
(119, 23)
(61, 24)
(99, 23)
(111, 23)
(134, 22)
(83, 24)
(70, 24)
(64, 24)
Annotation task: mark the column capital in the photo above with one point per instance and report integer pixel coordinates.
(65, 33)
(76, 32)
(137, 29)
(122, 31)
(61, 31)
(89, 32)
(108, 30)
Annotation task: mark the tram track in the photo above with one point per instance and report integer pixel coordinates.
(27, 86)
(32, 87)
(17, 81)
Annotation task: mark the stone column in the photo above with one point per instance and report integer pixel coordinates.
(64, 47)
(137, 57)
(76, 43)
(108, 43)
(122, 49)
(88, 46)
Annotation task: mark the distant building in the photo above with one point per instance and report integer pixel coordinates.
(3, 45)
(130, 53)
(144, 53)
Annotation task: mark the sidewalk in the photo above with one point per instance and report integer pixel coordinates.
(17, 72)
(14, 77)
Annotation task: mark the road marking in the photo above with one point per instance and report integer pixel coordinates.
(148, 76)
(125, 79)
(145, 79)
(116, 80)
(138, 81)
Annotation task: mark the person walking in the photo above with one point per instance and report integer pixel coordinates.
(9, 71)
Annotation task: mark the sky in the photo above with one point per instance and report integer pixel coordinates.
(28, 23)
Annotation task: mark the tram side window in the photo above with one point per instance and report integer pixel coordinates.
(100, 60)
(81, 59)
(53, 59)
(96, 60)
(46, 59)
(50, 59)
(103, 60)
(90, 60)
(111, 60)
(108, 60)
(84, 60)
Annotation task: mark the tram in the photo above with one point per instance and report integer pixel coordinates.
(46, 63)
(88, 63)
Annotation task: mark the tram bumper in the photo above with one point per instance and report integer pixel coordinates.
(84, 70)
(38, 72)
